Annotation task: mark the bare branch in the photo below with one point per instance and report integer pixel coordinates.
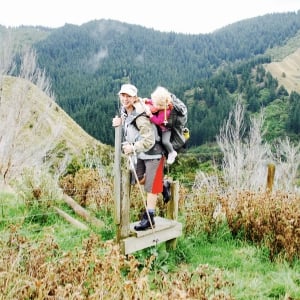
(245, 156)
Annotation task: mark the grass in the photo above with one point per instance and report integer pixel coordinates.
(246, 267)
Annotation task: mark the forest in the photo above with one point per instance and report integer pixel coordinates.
(209, 72)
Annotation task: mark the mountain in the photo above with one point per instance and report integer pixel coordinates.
(35, 131)
(88, 63)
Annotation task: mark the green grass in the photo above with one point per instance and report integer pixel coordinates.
(247, 267)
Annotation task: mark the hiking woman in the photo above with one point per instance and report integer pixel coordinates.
(140, 140)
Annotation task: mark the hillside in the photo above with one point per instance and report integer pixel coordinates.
(87, 64)
(287, 71)
(35, 131)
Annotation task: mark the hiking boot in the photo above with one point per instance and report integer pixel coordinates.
(171, 157)
(145, 223)
(166, 191)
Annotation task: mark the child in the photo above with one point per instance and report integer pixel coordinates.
(160, 106)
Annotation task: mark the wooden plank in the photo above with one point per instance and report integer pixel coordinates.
(70, 219)
(160, 224)
(82, 212)
(164, 230)
(172, 205)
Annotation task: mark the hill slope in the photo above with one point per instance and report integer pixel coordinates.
(287, 71)
(88, 63)
(35, 131)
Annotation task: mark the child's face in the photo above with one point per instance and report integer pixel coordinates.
(159, 105)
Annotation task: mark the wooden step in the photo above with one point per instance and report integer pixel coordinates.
(165, 229)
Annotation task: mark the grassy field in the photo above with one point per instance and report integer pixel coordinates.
(43, 255)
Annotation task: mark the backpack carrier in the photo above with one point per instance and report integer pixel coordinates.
(177, 122)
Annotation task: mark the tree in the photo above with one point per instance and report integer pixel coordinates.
(17, 115)
(245, 156)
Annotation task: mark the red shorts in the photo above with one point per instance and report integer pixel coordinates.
(153, 170)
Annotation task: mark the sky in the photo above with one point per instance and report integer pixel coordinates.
(181, 16)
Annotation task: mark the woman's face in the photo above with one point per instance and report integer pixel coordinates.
(127, 101)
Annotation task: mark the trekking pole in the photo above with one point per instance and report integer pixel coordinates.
(132, 159)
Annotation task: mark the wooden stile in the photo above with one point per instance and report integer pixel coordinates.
(166, 229)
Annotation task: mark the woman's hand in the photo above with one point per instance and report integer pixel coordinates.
(116, 121)
(128, 148)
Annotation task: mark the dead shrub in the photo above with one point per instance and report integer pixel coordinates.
(269, 219)
(89, 188)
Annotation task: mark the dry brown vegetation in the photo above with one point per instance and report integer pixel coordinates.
(97, 271)
(40, 269)
(267, 219)
(88, 188)
(270, 220)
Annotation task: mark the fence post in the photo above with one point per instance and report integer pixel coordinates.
(117, 174)
(124, 226)
(172, 211)
(270, 177)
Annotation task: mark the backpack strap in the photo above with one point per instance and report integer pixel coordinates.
(157, 149)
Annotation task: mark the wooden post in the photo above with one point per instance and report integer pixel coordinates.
(117, 174)
(121, 190)
(124, 226)
(172, 211)
(270, 177)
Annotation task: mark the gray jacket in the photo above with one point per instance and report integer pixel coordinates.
(139, 131)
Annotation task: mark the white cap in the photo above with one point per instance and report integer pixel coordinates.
(128, 89)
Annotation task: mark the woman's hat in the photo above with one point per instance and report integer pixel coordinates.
(128, 89)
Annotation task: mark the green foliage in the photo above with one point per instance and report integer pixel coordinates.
(74, 166)
(294, 113)
(276, 118)
(10, 205)
(39, 192)
(204, 158)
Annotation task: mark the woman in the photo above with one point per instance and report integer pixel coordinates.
(140, 139)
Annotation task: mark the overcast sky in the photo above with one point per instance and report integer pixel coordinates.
(185, 16)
